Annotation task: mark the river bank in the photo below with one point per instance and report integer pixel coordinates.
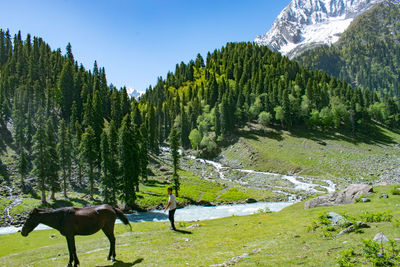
(189, 213)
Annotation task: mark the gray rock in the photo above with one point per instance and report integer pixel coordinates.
(336, 219)
(384, 196)
(346, 231)
(381, 238)
(193, 226)
(365, 199)
(345, 196)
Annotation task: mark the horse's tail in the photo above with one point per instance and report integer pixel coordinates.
(122, 217)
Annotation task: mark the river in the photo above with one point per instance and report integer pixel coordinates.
(189, 213)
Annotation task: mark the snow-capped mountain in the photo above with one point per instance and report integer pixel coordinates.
(304, 24)
(134, 93)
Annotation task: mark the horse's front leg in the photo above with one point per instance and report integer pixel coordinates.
(70, 250)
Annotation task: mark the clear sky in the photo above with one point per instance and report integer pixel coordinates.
(136, 41)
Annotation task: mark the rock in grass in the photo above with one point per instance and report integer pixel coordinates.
(384, 196)
(345, 196)
(346, 231)
(364, 199)
(193, 226)
(381, 238)
(336, 219)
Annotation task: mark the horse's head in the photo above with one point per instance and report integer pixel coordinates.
(31, 222)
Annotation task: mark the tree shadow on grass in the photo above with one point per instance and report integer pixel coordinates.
(371, 135)
(119, 263)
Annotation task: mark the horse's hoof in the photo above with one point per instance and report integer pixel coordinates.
(108, 258)
(113, 259)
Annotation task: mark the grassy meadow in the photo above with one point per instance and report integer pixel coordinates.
(263, 239)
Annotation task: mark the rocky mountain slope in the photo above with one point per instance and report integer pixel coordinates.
(367, 53)
(304, 24)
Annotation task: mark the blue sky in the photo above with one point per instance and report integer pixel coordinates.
(138, 40)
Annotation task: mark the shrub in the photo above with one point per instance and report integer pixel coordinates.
(377, 217)
(395, 190)
(345, 258)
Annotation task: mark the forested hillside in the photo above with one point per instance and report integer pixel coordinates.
(62, 120)
(243, 82)
(367, 54)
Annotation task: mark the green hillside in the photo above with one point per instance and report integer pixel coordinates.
(367, 53)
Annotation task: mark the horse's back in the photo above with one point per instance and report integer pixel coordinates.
(86, 221)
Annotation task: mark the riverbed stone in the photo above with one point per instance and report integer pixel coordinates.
(345, 196)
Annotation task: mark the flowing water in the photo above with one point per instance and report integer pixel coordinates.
(189, 213)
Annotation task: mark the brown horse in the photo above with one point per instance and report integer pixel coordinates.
(73, 221)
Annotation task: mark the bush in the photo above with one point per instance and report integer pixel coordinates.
(395, 190)
(345, 258)
(377, 217)
(375, 253)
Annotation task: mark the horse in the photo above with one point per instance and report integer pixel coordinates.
(71, 221)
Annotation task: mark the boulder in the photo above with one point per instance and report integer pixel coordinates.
(346, 231)
(384, 196)
(364, 199)
(345, 196)
(336, 219)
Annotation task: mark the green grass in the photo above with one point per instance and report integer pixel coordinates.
(343, 159)
(282, 240)
(196, 190)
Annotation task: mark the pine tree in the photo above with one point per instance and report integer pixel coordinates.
(144, 147)
(64, 152)
(52, 165)
(40, 155)
(66, 86)
(114, 167)
(106, 178)
(88, 155)
(23, 167)
(174, 145)
(128, 158)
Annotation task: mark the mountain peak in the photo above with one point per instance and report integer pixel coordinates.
(306, 23)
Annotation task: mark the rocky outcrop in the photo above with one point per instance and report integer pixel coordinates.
(345, 196)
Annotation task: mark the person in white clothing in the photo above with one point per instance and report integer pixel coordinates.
(171, 207)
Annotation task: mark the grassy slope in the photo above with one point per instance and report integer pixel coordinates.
(153, 193)
(344, 159)
(216, 241)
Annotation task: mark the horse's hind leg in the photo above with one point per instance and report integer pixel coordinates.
(72, 251)
(109, 232)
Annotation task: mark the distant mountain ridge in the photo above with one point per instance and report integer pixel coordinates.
(368, 52)
(304, 24)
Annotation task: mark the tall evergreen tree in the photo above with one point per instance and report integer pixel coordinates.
(40, 155)
(174, 146)
(52, 160)
(64, 153)
(129, 162)
(88, 154)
